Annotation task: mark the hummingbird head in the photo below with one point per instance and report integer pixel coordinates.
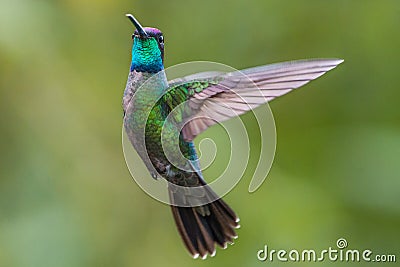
(147, 49)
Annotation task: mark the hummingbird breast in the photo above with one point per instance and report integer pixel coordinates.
(156, 139)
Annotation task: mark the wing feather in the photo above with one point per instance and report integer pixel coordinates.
(216, 97)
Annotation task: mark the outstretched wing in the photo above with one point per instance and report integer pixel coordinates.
(199, 102)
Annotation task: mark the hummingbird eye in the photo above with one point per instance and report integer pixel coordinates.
(161, 39)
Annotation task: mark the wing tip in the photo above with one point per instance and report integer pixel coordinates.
(337, 61)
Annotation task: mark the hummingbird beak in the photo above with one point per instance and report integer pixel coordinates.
(139, 27)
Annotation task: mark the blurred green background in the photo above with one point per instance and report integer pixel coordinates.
(66, 196)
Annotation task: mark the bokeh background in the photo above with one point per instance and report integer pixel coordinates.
(66, 195)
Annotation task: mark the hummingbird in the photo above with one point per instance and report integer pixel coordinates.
(203, 220)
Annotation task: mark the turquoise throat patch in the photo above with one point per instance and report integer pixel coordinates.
(146, 56)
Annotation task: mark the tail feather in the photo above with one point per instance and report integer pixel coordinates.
(200, 232)
(230, 222)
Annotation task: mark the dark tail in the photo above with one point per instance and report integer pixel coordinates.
(204, 226)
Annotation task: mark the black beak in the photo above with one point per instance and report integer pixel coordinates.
(139, 27)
